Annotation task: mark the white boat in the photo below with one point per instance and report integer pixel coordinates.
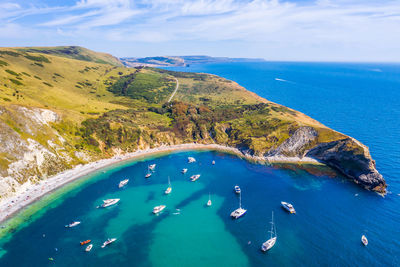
(184, 171)
(209, 203)
(213, 162)
(107, 242)
(169, 189)
(109, 202)
(237, 189)
(152, 167)
(158, 209)
(148, 175)
(191, 160)
(194, 177)
(89, 248)
(123, 183)
(73, 224)
(237, 213)
(289, 207)
(267, 245)
(364, 240)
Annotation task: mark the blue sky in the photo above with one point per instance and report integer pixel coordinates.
(320, 30)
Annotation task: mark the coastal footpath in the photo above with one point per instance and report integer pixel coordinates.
(63, 107)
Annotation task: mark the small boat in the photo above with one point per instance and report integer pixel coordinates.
(107, 242)
(89, 248)
(109, 202)
(289, 207)
(169, 189)
(237, 213)
(364, 240)
(73, 224)
(213, 162)
(184, 171)
(158, 209)
(191, 160)
(148, 175)
(267, 245)
(152, 167)
(85, 242)
(237, 189)
(123, 183)
(209, 203)
(194, 177)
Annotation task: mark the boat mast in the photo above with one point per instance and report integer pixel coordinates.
(169, 182)
(240, 200)
(272, 224)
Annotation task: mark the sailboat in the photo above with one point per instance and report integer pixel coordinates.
(209, 203)
(169, 189)
(237, 213)
(267, 245)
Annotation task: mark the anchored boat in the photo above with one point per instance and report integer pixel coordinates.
(152, 167)
(89, 248)
(289, 207)
(237, 213)
(237, 189)
(267, 245)
(364, 240)
(123, 183)
(109, 202)
(148, 175)
(107, 242)
(191, 160)
(85, 242)
(184, 171)
(194, 177)
(73, 224)
(158, 209)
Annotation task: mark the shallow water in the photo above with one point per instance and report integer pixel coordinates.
(332, 213)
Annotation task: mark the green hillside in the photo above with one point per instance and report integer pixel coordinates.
(64, 106)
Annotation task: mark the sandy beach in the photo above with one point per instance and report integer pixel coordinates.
(29, 193)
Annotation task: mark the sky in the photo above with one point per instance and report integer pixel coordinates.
(287, 30)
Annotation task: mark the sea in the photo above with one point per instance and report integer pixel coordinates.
(358, 99)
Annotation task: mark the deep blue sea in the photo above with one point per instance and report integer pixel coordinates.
(361, 100)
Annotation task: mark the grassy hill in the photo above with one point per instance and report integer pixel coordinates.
(64, 106)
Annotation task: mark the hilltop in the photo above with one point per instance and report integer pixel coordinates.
(180, 61)
(59, 109)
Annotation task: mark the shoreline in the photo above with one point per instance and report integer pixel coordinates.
(29, 193)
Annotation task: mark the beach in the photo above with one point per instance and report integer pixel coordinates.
(28, 193)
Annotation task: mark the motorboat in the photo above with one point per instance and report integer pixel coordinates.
(123, 183)
(108, 242)
(237, 213)
(148, 175)
(184, 171)
(158, 209)
(89, 248)
(191, 160)
(109, 202)
(267, 245)
(364, 240)
(288, 207)
(237, 189)
(85, 242)
(194, 177)
(169, 189)
(73, 224)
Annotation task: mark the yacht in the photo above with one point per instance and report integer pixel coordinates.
(158, 209)
(267, 245)
(364, 240)
(209, 203)
(89, 248)
(169, 189)
(123, 183)
(73, 224)
(289, 207)
(148, 175)
(237, 189)
(107, 242)
(194, 177)
(191, 160)
(152, 167)
(184, 171)
(109, 202)
(237, 213)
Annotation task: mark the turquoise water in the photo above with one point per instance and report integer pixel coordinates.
(358, 99)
